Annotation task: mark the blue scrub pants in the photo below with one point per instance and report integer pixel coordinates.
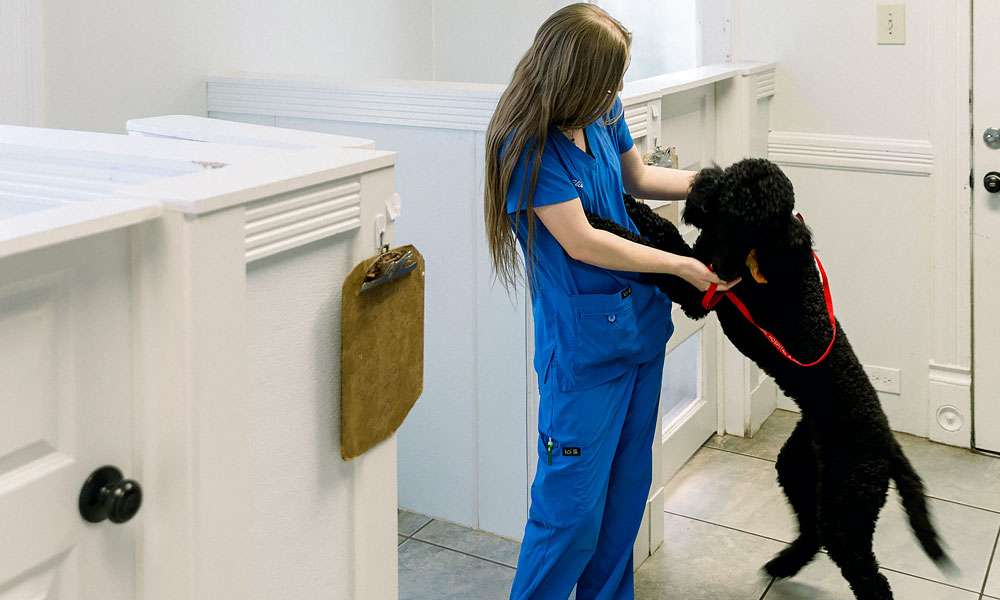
(590, 488)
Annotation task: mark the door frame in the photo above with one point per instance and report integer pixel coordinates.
(976, 171)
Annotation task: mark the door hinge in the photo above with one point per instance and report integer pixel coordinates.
(972, 179)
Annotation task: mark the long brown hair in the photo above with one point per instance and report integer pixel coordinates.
(569, 77)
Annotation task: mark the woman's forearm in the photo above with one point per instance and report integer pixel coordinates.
(660, 183)
(568, 224)
(608, 251)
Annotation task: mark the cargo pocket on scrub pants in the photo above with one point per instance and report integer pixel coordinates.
(605, 338)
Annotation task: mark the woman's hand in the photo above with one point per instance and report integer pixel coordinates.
(697, 274)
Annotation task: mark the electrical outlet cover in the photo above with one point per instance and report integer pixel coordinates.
(884, 379)
(892, 24)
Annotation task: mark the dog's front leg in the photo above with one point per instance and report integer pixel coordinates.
(661, 233)
(678, 290)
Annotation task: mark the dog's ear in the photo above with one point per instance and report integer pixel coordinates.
(753, 265)
(703, 197)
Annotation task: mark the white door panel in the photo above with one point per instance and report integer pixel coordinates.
(66, 409)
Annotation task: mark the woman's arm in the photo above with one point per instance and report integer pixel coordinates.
(653, 183)
(567, 222)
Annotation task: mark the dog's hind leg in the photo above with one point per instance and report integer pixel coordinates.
(797, 474)
(849, 508)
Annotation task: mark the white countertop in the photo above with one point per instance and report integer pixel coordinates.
(219, 131)
(682, 81)
(59, 185)
(245, 182)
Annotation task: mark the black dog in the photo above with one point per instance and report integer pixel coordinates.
(836, 465)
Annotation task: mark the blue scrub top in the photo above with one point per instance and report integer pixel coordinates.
(592, 324)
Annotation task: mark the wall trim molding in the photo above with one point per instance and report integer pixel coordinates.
(435, 104)
(950, 374)
(288, 221)
(637, 118)
(852, 153)
(765, 84)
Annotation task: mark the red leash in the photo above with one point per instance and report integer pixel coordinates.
(712, 298)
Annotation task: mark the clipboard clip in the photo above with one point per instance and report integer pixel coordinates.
(389, 265)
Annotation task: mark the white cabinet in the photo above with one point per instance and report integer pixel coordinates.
(66, 408)
(172, 308)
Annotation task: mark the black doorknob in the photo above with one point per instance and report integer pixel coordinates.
(108, 495)
(992, 182)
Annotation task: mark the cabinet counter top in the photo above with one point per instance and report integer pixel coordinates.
(59, 185)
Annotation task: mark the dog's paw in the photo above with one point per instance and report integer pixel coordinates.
(789, 561)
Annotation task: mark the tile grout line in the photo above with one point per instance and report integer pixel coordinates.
(409, 537)
(965, 504)
(770, 460)
(986, 578)
(765, 537)
(464, 553)
(923, 578)
(823, 551)
(767, 589)
(931, 496)
(413, 536)
(421, 528)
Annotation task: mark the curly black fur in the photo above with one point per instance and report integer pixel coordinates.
(836, 465)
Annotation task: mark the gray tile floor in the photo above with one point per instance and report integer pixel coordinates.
(725, 516)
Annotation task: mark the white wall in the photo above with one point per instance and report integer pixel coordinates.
(664, 34)
(94, 63)
(482, 41)
(20, 61)
(109, 60)
(884, 194)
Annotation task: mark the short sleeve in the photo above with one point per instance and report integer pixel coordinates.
(554, 183)
(619, 129)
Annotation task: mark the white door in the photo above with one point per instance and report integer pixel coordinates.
(688, 405)
(986, 226)
(65, 410)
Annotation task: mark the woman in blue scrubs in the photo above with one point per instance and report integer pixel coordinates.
(558, 146)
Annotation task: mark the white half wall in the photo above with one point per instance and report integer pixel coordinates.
(108, 61)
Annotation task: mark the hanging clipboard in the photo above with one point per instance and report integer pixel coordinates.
(382, 347)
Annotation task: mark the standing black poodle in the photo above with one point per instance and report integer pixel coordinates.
(836, 465)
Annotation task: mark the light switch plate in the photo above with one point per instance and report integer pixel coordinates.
(892, 24)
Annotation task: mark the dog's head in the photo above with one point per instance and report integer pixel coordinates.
(745, 216)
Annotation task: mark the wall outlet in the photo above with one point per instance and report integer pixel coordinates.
(884, 379)
(891, 24)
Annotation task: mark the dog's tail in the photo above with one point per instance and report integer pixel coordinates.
(911, 492)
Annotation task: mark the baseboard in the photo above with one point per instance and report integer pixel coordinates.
(950, 407)
(949, 414)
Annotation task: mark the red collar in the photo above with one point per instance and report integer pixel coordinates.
(713, 297)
